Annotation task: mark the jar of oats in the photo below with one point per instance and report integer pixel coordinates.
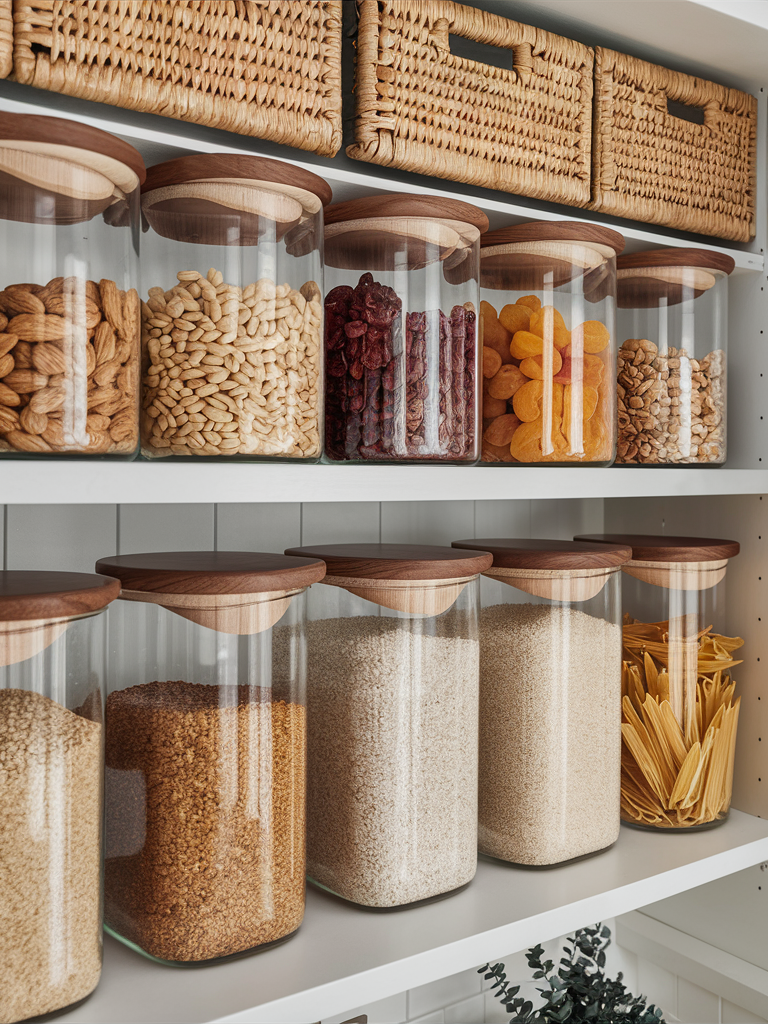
(392, 702)
(232, 279)
(206, 753)
(550, 699)
(69, 305)
(53, 646)
(673, 330)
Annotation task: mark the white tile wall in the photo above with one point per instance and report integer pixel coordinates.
(439, 994)
(383, 1011)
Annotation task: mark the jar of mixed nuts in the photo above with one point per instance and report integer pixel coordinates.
(232, 287)
(69, 305)
(401, 330)
(673, 331)
(206, 753)
(548, 291)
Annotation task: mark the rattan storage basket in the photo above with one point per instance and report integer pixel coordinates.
(655, 167)
(6, 38)
(421, 108)
(269, 68)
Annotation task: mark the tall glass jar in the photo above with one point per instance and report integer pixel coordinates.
(548, 291)
(550, 698)
(205, 753)
(673, 330)
(232, 278)
(401, 330)
(392, 710)
(52, 667)
(679, 709)
(69, 308)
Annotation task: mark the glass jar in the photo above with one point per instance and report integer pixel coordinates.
(52, 666)
(392, 692)
(550, 696)
(232, 277)
(69, 308)
(400, 330)
(205, 753)
(679, 710)
(673, 328)
(547, 331)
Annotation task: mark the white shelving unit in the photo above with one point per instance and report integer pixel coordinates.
(66, 513)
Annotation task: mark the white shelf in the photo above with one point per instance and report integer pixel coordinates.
(163, 138)
(344, 956)
(48, 482)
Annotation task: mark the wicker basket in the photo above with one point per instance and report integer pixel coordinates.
(655, 167)
(269, 68)
(6, 38)
(421, 108)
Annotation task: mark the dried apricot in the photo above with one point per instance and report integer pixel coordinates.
(533, 366)
(506, 382)
(501, 430)
(491, 362)
(579, 401)
(548, 322)
(593, 334)
(528, 440)
(493, 407)
(525, 344)
(493, 335)
(532, 301)
(486, 309)
(515, 318)
(528, 401)
(496, 453)
(589, 369)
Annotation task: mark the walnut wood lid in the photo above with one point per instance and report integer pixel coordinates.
(703, 258)
(34, 594)
(523, 553)
(396, 561)
(555, 231)
(212, 572)
(402, 205)
(651, 548)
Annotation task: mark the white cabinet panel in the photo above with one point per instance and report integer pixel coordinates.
(562, 520)
(340, 522)
(63, 537)
(166, 528)
(427, 522)
(259, 527)
(503, 518)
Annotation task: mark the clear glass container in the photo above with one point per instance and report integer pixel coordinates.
(548, 291)
(401, 330)
(673, 330)
(69, 305)
(52, 668)
(550, 698)
(232, 278)
(680, 711)
(206, 753)
(392, 692)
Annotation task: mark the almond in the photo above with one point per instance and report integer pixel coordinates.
(26, 442)
(111, 303)
(47, 357)
(24, 381)
(131, 315)
(104, 343)
(106, 373)
(47, 399)
(9, 419)
(75, 307)
(17, 300)
(38, 326)
(7, 342)
(33, 422)
(54, 434)
(8, 396)
(6, 364)
(22, 355)
(97, 423)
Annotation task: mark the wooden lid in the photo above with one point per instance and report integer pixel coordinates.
(204, 166)
(33, 594)
(702, 258)
(401, 205)
(396, 561)
(56, 131)
(650, 548)
(212, 572)
(516, 553)
(554, 231)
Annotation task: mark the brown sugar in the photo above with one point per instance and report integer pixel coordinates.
(205, 818)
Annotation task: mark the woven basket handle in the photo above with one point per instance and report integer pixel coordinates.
(482, 27)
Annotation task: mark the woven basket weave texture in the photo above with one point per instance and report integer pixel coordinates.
(655, 167)
(526, 129)
(268, 68)
(6, 38)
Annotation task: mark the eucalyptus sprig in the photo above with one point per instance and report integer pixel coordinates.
(577, 991)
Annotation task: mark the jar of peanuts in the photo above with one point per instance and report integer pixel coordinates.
(548, 291)
(232, 311)
(69, 305)
(673, 328)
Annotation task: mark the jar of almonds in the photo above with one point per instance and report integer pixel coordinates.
(548, 293)
(69, 305)
(232, 310)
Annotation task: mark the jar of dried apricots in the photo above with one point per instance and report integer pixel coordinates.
(548, 292)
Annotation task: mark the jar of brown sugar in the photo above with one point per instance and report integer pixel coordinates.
(205, 753)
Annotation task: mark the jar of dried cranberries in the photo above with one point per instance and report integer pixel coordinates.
(401, 330)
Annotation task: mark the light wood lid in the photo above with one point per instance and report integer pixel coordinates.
(651, 548)
(212, 572)
(38, 595)
(412, 562)
(401, 205)
(702, 258)
(555, 231)
(205, 166)
(523, 553)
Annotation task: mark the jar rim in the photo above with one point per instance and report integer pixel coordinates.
(550, 555)
(46, 594)
(414, 563)
(662, 548)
